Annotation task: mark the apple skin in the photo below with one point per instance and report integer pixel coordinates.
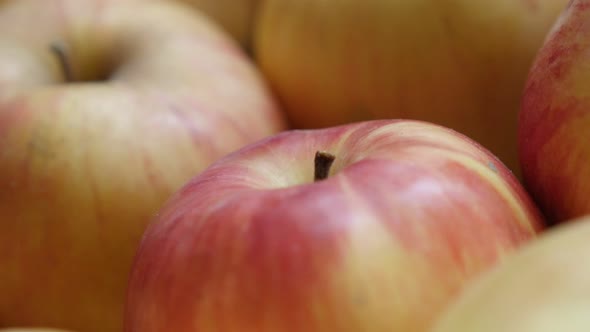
(543, 287)
(235, 16)
(339, 61)
(85, 165)
(409, 213)
(554, 122)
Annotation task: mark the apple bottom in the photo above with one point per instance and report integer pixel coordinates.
(345, 254)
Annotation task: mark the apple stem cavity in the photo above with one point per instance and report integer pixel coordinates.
(59, 49)
(323, 162)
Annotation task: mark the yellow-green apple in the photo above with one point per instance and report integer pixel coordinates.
(337, 61)
(388, 225)
(554, 122)
(543, 287)
(106, 108)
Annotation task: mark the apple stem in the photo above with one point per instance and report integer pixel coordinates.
(59, 49)
(323, 162)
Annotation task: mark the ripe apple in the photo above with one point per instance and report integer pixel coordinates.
(406, 214)
(339, 61)
(554, 123)
(129, 102)
(235, 16)
(543, 287)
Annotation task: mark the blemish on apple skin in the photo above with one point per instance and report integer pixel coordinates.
(493, 167)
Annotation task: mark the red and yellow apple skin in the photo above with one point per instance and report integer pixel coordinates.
(554, 123)
(158, 96)
(409, 213)
(340, 61)
(543, 287)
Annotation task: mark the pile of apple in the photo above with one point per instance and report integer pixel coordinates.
(294, 165)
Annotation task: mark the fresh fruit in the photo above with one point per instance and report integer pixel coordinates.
(554, 124)
(129, 102)
(460, 63)
(543, 287)
(409, 212)
(235, 16)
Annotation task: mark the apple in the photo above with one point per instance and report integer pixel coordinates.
(542, 287)
(235, 17)
(106, 109)
(375, 233)
(340, 61)
(554, 122)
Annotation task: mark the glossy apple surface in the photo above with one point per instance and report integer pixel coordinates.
(157, 95)
(544, 287)
(554, 124)
(339, 61)
(409, 213)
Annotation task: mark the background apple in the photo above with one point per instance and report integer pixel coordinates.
(156, 95)
(543, 287)
(410, 211)
(338, 61)
(235, 16)
(554, 128)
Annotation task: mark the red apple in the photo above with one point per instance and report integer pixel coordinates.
(338, 61)
(410, 211)
(543, 287)
(155, 94)
(554, 129)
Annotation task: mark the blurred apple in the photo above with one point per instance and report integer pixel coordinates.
(106, 108)
(554, 129)
(543, 287)
(339, 61)
(377, 239)
(235, 16)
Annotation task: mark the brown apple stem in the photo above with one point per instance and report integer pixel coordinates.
(59, 49)
(323, 162)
